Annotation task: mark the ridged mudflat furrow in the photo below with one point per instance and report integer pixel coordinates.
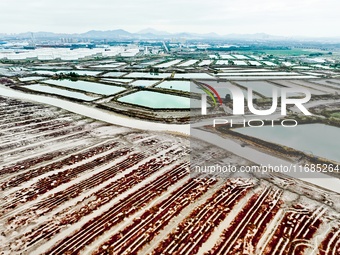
(102, 197)
(294, 231)
(41, 129)
(8, 111)
(110, 218)
(28, 114)
(142, 231)
(55, 139)
(68, 161)
(331, 244)
(25, 123)
(48, 183)
(58, 153)
(42, 137)
(198, 226)
(62, 196)
(239, 236)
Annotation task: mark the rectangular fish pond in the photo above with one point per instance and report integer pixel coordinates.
(156, 100)
(314, 139)
(92, 87)
(175, 85)
(61, 92)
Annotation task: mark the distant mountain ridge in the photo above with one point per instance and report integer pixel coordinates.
(150, 33)
(150, 30)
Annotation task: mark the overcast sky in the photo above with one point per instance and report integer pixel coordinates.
(315, 18)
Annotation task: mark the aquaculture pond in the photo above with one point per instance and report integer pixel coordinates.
(92, 87)
(316, 139)
(156, 100)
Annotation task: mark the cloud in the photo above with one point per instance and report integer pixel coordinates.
(289, 17)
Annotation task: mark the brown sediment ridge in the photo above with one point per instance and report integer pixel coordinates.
(124, 191)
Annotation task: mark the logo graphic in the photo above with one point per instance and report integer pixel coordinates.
(239, 99)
